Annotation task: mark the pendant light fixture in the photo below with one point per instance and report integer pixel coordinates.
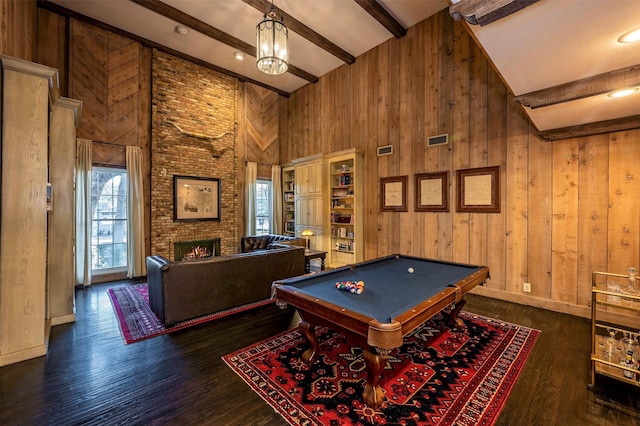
(272, 51)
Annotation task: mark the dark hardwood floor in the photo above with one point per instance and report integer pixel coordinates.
(91, 377)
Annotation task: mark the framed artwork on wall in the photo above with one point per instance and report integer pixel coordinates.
(432, 192)
(196, 198)
(478, 190)
(393, 194)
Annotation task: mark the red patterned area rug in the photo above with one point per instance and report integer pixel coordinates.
(438, 377)
(138, 322)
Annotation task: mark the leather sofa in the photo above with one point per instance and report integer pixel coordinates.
(181, 290)
(269, 241)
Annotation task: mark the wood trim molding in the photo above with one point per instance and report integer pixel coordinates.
(380, 14)
(37, 70)
(298, 27)
(73, 104)
(608, 126)
(590, 86)
(484, 12)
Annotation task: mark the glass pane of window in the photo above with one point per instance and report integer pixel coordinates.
(263, 207)
(109, 219)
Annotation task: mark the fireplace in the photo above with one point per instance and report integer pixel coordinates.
(196, 249)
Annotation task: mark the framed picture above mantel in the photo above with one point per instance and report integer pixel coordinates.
(196, 198)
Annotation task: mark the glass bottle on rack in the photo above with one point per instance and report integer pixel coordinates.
(629, 356)
(631, 288)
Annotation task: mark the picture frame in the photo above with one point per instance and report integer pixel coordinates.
(478, 190)
(393, 194)
(196, 198)
(432, 192)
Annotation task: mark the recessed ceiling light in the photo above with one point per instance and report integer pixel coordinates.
(239, 56)
(182, 29)
(623, 92)
(630, 36)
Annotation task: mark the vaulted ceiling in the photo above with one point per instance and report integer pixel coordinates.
(559, 58)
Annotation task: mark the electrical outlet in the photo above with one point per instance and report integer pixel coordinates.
(526, 287)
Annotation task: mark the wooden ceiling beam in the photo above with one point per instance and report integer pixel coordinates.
(590, 86)
(484, 12)
(298, 27)
(608, 126)
(380, 14)
(202, 27)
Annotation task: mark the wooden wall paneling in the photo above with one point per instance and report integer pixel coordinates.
(123, 67)
(564, 237)
(497, 156)
(325, 112)
(430, 155)
(88, 77)
(53, 44)
(18, 37)
(416, 144)
(144, 137)
(478, 150)
(304, 122)
(283, 137)
(445, 125)
(517, 157)
(460, 138)
(539, 217)
(593, 199)
(261, 125)
(624, 199)
(378, 122)
(400, 222)
(348, 112)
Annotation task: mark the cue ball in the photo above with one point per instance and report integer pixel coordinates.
(410, 270)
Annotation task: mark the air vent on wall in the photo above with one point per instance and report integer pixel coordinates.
(438, 140)
(385, 150)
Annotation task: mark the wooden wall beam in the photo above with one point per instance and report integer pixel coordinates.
(484, 12)
(590, 86)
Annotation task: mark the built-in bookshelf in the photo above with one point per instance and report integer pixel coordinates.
(288, 201)
(345, 208)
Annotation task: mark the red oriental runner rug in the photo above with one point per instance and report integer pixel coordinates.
(138, 322)
(438, 377)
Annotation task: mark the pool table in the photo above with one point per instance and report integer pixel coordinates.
(400, 293)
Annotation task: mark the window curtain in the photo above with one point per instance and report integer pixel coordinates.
(276, 200)
(83, 212)
(250, 191)
(135, 214)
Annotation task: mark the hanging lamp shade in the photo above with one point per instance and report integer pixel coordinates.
(272, 44)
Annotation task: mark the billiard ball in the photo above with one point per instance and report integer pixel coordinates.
(410, 270)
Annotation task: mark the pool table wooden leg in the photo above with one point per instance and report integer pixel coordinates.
(454, 321)
(308, 330)
(373, 394)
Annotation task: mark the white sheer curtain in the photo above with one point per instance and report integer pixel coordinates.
(135, 214)
(276, 200)
(250, 191)
(83, 212)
